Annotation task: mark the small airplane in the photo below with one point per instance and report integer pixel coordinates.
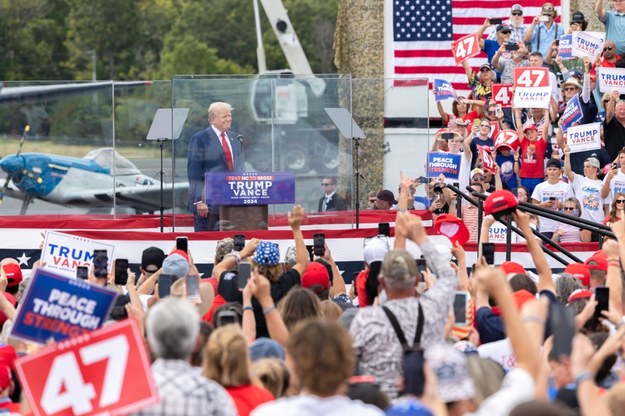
(86, 182)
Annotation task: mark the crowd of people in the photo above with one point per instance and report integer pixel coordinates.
(541, 166)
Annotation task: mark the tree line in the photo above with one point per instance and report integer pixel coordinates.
(151, 39)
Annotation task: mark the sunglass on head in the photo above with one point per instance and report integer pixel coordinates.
(607, 48)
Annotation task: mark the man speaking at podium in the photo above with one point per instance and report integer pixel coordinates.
(214, 149)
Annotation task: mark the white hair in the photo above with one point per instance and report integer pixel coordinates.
(172, 326)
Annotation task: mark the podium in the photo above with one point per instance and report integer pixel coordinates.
(243, 217)
(244, 197)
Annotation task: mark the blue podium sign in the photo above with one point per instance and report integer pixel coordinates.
(258, 188)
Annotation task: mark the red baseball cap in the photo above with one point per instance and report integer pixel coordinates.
(512, 267)
(600, 259)
(184, 254)
(530, 127)
(452, 227)
(316, 274)
(13, 273)
(500, 202)
(579, 294)
(580, 271)
(522, 296)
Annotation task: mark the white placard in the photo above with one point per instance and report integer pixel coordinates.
(62, 253)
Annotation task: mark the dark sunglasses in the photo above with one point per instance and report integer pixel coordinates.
(620, 201)
(570, 88)
(505, 32)
(484, 69)
(478, 178)
(517, 14)
(607, 48)
(569, 208)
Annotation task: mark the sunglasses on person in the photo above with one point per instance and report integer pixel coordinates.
(569, 208)
(484, 69)
(607, 48)
(620, 201)
(505, 32)
(478, 178)
(372, 201)
(570, 89)
(517, 14)
(326, 184)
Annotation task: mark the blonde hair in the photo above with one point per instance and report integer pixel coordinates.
(273, 375)
(223, 354)
(331, 310)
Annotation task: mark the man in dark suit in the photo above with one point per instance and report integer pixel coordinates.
(331, 201)
(214, 149)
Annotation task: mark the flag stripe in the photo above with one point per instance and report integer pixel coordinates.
(424, 29)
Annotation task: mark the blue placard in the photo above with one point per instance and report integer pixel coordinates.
(443, 90)
(572, 113)
(59, 308)
(257, 188)
(444, 163)
(565, 47)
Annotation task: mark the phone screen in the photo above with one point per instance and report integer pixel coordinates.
(562, 321)
(192, 288)
(100, 264)
(384, 228)
(164, 285)
(227, 318)
(82, 272)
(460, 307)
(512, 47)
(495, 21)
(239, 242)
(602, 295)
(421, 268)
(121, 271)
(309, 248)
(488, 252)
(245, 270)
(182, 243)
(319, 244)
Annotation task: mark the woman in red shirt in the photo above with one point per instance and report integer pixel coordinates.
(226, 361)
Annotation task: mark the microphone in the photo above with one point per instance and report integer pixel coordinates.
(240, 138)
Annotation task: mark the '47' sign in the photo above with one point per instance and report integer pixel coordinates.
(531, 77)
(466, 47)
(502, 94)
(104, 372)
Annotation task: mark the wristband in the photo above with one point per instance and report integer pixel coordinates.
(236, 255)
(532, 318)
(269, 309)
(248, 308)
(614, 264)
(583, 376)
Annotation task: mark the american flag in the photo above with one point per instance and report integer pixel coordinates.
(423, 31)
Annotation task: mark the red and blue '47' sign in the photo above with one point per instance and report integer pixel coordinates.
(104, 372)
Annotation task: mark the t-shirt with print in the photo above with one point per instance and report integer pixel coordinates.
(506, 167)
(560, 191)
(475, 142)
(617, 184)
(588, 193)
(533, 158)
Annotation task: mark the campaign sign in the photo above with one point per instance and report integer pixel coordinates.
(497, 233)
(611, 79)
(587, 45)
(584, 137)
(59, 308)
(62, 253)
(466, 47)
(447, 164)
(533, 97)
(531, 77)
(502, 94)
(443, 90)
(101, 373)
(572, 113)
(565, 47)
(257, 188)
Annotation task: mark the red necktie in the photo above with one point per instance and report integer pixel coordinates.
(224, 143)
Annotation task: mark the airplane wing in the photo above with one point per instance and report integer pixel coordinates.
(51, 91)
(144, 198)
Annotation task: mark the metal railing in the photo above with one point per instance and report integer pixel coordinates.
(506, 220)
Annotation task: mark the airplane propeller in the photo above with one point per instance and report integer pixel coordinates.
(19, 150)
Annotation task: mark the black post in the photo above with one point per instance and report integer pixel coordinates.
(356, 141)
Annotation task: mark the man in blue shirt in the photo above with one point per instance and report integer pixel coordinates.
(614, 22)
(543, 30)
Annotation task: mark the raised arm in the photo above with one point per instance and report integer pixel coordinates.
(610, 106)
(545, 281)
(295, 219)
(599, 10)
(232, 259)
(567, 162)
(444, 115)
(545, 132)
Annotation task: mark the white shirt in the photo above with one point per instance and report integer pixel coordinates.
(313, 405)
(617, 184)
(588, 192)
(218, 133)
(542, 192)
